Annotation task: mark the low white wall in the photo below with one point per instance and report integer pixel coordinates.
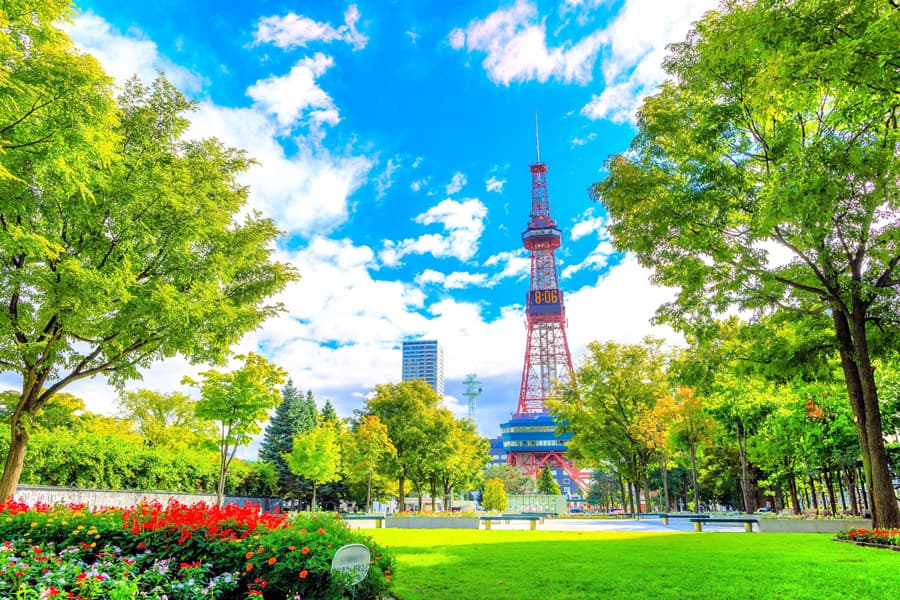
(32, 494)
(812, 525)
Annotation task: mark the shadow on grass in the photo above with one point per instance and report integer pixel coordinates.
(567, 565)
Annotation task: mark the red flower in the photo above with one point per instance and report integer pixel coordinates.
(304, 550)
(303, 574)
(273, 560)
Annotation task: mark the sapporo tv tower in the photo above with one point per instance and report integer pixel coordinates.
(530, 438)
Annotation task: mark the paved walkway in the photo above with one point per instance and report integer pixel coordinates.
(646, 525)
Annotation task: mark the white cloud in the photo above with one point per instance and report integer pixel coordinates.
(289, 96)
(292, 31)
(495, 185)
(589, 225)
(463, 223)
(305, 193)
(385, 180)
(577, 141)
(515, 264)
(456, 183)
(418, 184)
(618, 307)
(632, 65)
(514, 40)
(597, 259)
(455, 280)
(126, 55)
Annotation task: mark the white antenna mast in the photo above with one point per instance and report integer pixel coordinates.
(537, 141)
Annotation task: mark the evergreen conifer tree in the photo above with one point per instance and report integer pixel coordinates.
(546, 483)
(296, 414)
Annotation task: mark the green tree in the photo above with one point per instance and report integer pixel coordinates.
(653, 426)
(62, 411)
(119, 240)
(614, 385)
(764, 174)
(464, 467)
(296, 414)
(366, 446)
(316, 455)
(514, 482)
(165, 420)
(546, 483)
(237, 402)
(405, 408)
(494, 497)
(691, 428)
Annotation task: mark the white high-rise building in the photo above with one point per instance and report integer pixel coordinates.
(424, 359)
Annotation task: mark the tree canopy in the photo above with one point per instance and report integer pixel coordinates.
(316, 455)
(764, 175)
(120, 240)
(296, 414)
(238, 402)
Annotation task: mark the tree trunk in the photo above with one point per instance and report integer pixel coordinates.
(369, 492)
(664, 475)
(840, 481)
(829, 486)
(863, 492)
(15, 458)
(645, 482)
(693, 451)
(850, 330)
(812, 492)
(402, 485)
(622, 491)
(792, 488)
(749, 504)
(312, 506)
(223, 470)
(850, 477)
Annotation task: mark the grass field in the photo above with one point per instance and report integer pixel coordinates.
(472, 565)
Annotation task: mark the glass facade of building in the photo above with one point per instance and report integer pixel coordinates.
(424, 359)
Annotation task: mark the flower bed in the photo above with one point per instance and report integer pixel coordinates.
(884, 538)
(176, 551)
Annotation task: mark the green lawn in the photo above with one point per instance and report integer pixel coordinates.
(470, 565)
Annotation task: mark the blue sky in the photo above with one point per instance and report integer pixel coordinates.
(394, 141)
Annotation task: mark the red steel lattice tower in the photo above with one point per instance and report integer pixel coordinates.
(530, 437)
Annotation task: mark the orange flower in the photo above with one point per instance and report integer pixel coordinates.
(387, 571)
(291, 548)
(249, 567)
(260, 550)
(387, 578)
(303, 574)
(273, 560)
(304, 550)
(303, 532)
(249, 554)
(321, 531)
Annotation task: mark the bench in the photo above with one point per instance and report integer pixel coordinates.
(665, 517)
(748, 523)
(507, 518)
(640, 516)
(379, 519)
(540, 515)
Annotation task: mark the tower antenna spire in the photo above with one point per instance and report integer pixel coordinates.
(537, 140)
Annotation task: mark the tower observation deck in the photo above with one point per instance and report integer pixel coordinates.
(530, 437)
